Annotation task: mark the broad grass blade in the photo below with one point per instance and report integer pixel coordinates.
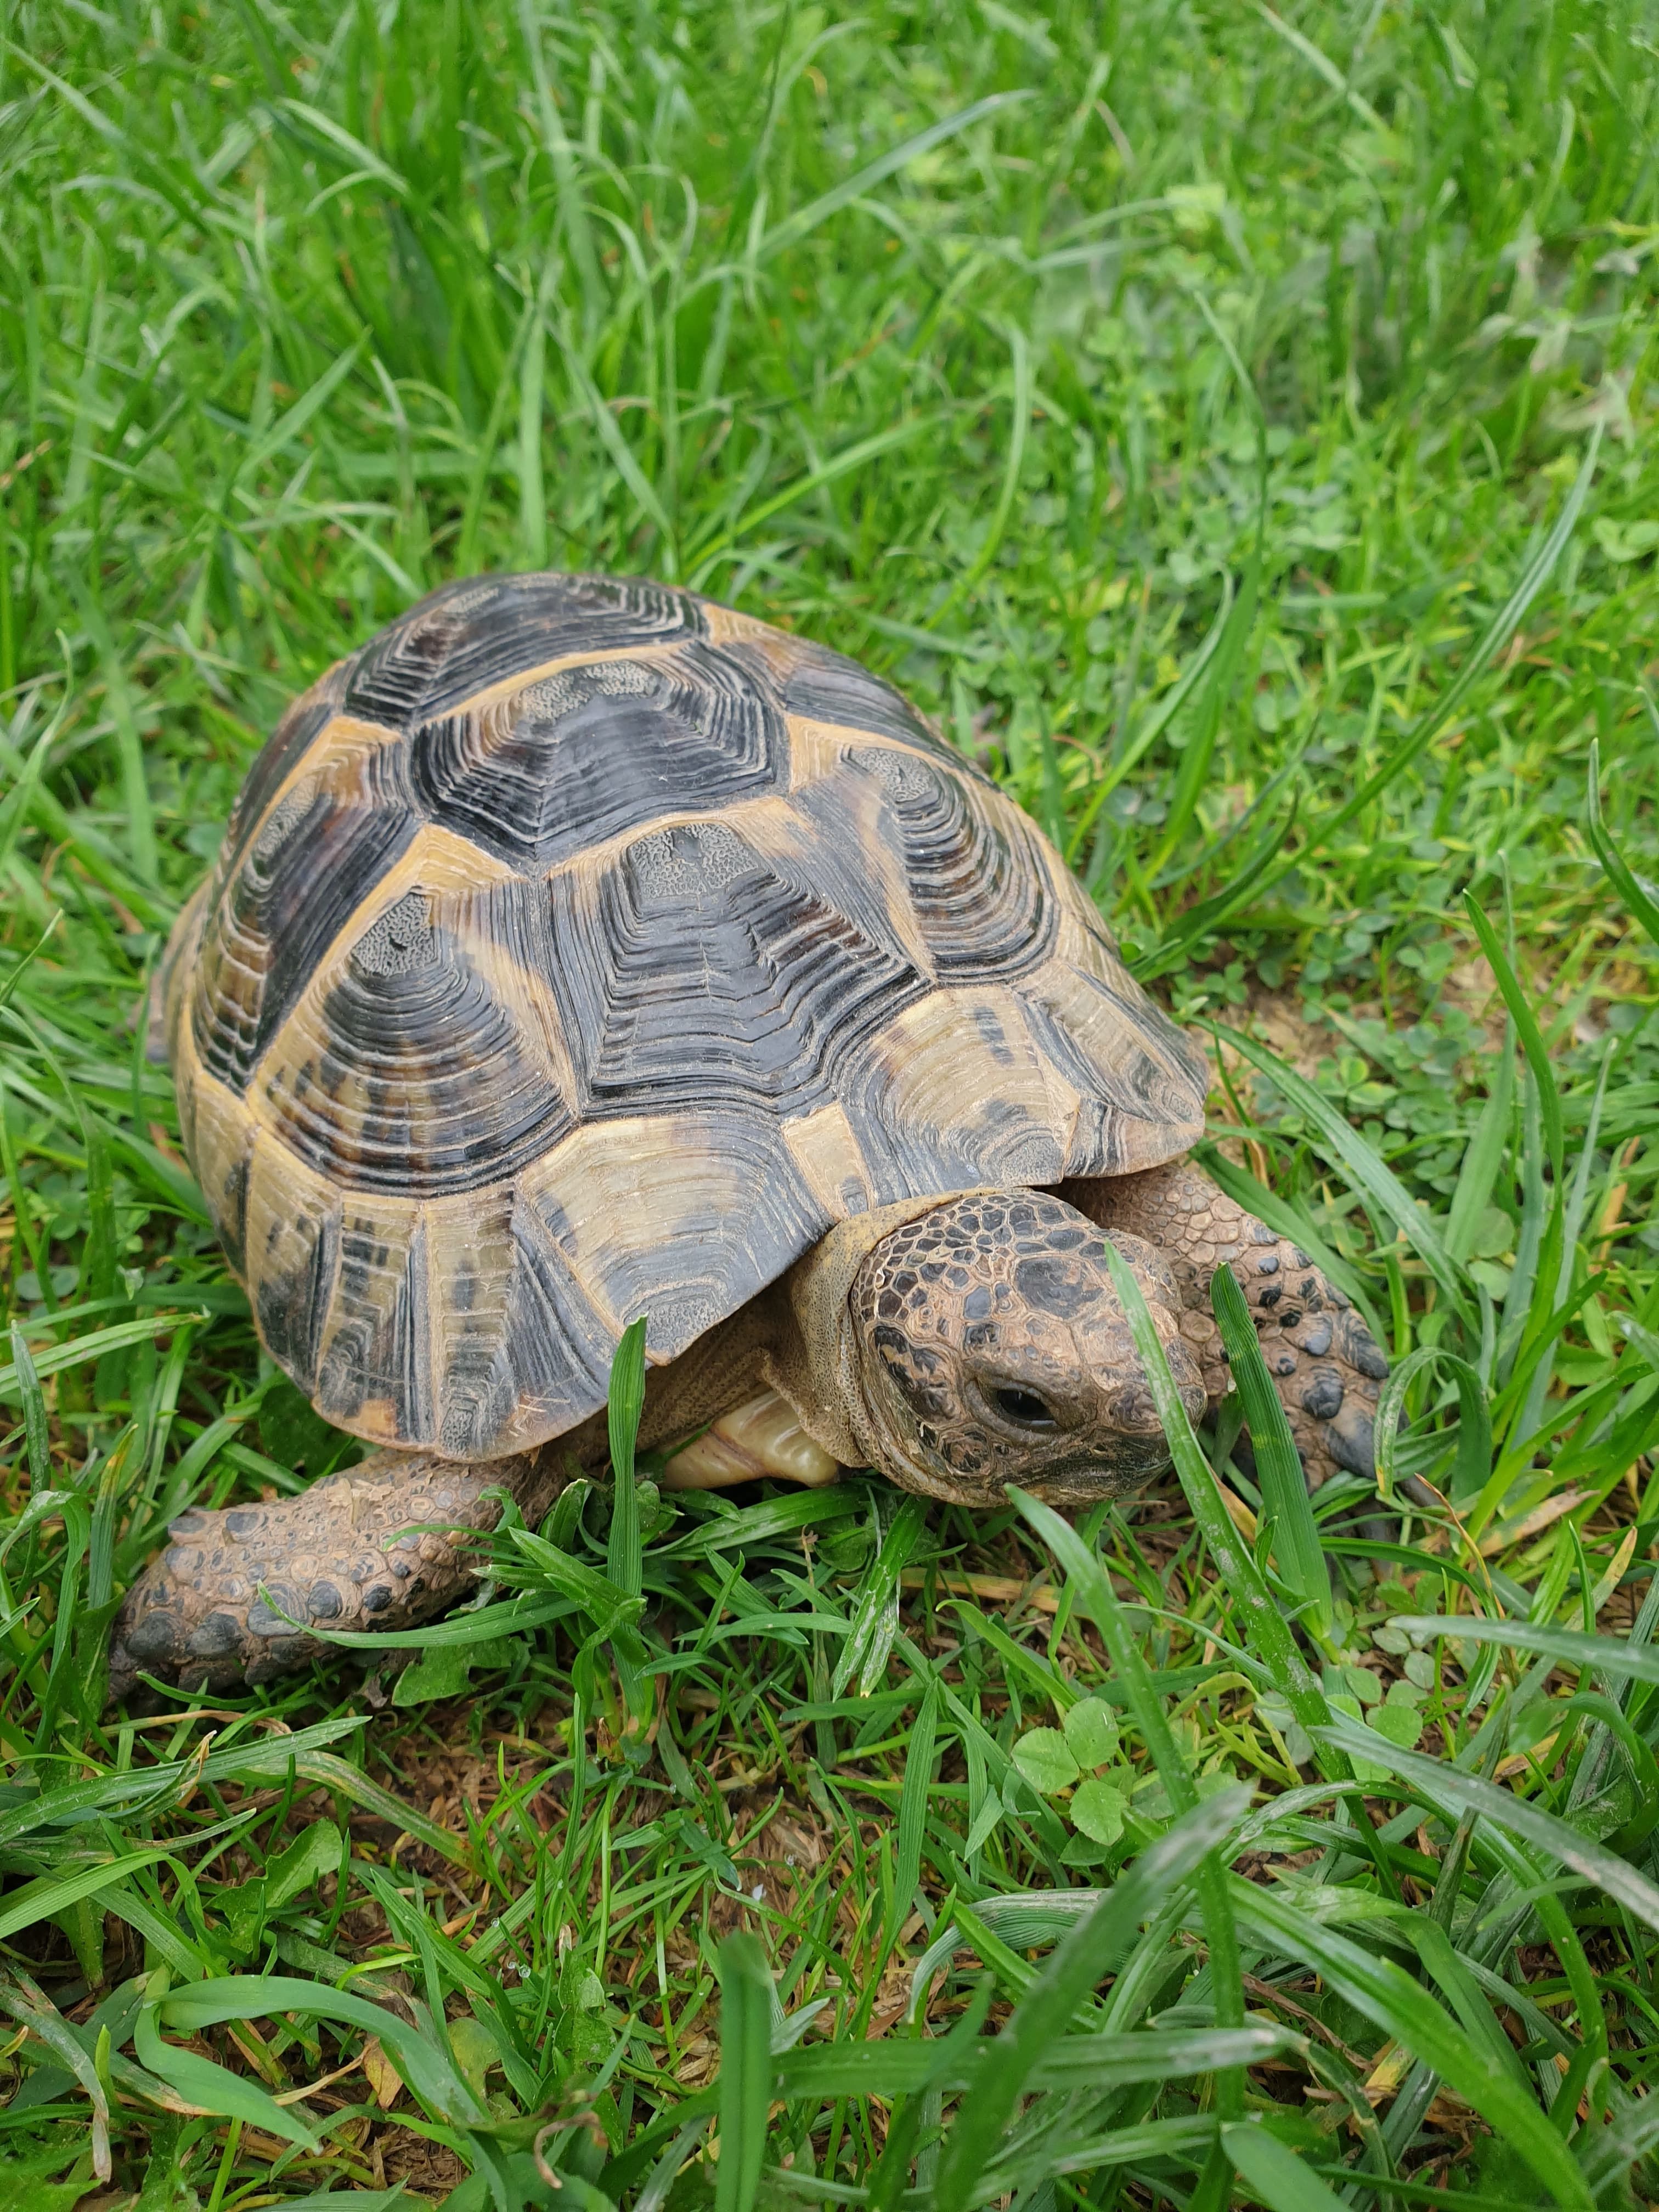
(1273, 2174)
(1450, 1789)
(1278, 1463)
(624, 1564)
(1609, 1655)
(1387, 1994)
(1624, 879)
(1043, 2017)
(1527, 1029)
(213, 2088)
(423, 2065)
(745, 2078)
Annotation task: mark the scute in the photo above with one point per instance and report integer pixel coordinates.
(467, 637)
(411, 1064)
(586, 753)
(582, 948)
(697, 970)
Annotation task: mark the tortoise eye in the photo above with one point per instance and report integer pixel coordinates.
(1022, 1408)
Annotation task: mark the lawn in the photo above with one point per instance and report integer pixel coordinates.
(1237, 429)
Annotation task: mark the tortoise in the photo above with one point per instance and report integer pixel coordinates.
(582, 949)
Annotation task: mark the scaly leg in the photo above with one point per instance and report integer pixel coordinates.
(380, 1547)
(1325, 1361)
(762, 1437)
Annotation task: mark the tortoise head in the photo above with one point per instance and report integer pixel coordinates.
(988, 1344)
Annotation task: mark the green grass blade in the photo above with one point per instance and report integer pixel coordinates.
(1044, 2016)
(805, 220)
(1361, 1163)
(1401, 2008)
(1609, 1655)
(871, 1638)
(1481, 1159)
(1265, 1626)
(1273, 2174)
(421, 2060)
(213, 2088)
(1472, 1464)
(1491, 641)
(625, 1562)
(746, 2077)
(1527, 1029)
(1285, 1504)
(913, 1813)
(1620, 874)
(30, 2005)
(1450, 1788)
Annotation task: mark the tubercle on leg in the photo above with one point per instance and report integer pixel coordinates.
(380, 1546)
(1327, 1365)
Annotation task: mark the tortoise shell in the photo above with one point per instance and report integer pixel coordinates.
(581, 949)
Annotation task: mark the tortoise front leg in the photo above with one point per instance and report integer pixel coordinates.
(763, 1436)
(1324, 1363)
(380, 1547)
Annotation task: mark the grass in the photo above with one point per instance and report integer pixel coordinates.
(1176, 400)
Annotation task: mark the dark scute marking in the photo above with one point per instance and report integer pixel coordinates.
(700, 976)
(243, 1521)
(468, 636)
(1322, 1394)
(377, 1597)
(292, 1305)
(1317, 1341)
(304, 721)
(323, 1602)
(588, 753)
(827, 687)
(1268, 1264)
(379, 1347)
(554, 1355)
(976, 872)
(1056, 1285)
(1269, 1297)
(285, 904)
(426, 1084)
(1260, 1234)
(1284, 1363)
(230, 1212)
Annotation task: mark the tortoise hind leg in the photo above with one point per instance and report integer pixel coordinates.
(378, 1546)
(1326, 1364)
